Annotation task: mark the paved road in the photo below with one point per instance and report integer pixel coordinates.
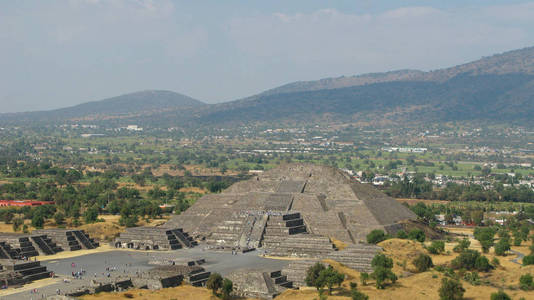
(519, 257)
(130, 262)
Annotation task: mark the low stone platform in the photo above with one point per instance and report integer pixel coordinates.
(14, 245)
(261, 284)
(154, 238)
(356, 256)
(68, 239)
(296, 271)
(16, 272)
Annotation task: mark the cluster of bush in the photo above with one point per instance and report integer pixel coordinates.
(216, 282)
(376, 236)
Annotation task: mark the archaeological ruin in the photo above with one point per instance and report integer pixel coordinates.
(293, 210)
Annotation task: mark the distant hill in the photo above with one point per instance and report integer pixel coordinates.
(127, 106)
(496, 89)
(517, 61)
(495, 98)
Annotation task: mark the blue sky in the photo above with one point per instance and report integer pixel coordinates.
(60, 53)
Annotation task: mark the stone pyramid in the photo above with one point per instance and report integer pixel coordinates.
(292, 209)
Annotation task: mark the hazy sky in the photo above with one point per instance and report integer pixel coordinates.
(60, 53)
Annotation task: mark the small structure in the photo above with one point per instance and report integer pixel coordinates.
(18, 272)
(15, 245)
(259, 283)
(68, 239)
(154, 238)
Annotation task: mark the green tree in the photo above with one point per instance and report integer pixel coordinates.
(482, 264)
(528, 260)
(227, 287)
(423, 262)
(313, 273)
(401, 234)
(417, 235)
(526, 283)
(502, 247)
(462, 245)
(59, 218)
(91, 215)
(38, 220)
(376, 236)
(329, 277)
(451, 289)
(357, 295)
(214, 283)
(382, 266)
(364, 276)
(437, 247)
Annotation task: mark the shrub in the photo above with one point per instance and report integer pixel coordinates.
(466, 260)
(437, 247)
(423, 262)
(472, 278)
(500, 295)
(502, 246)
(417, 235)
(525, 282)
(451, 290)
(495, 262)
(401, 234)
(482, 264)
(376, 236)
(357, 295)
(353, 285)
(364, 276)
(528, 260)
(462, 245)
(227, 287)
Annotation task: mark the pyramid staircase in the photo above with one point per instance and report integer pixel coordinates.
(6, 252)
(45, 245)
(286, 235)
(16, 246)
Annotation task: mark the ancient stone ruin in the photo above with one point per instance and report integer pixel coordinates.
(43, 242)
(293, 210)
(154, 238)
(18, 272)
(68, 239)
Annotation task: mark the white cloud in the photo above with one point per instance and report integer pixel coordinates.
(415, 37)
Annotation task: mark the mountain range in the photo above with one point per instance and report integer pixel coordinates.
(499, 88)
